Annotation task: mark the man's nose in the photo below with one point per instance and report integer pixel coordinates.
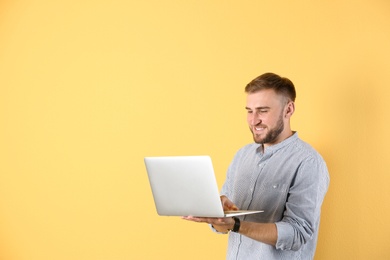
(254, 119)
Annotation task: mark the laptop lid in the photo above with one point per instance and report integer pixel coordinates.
(185, 186)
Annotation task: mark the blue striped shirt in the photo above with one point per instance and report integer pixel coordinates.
(289, 182)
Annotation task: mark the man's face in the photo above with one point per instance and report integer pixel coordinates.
(265, 116)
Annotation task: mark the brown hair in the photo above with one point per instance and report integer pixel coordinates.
(280, 85)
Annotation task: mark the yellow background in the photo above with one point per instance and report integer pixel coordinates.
(88, 88)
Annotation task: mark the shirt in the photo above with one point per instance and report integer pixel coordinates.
(288, 181)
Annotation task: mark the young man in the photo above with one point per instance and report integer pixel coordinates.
(278, 173)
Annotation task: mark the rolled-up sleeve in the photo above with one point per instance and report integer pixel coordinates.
(303, 207)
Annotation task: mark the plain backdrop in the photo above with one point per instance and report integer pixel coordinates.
(88, 88)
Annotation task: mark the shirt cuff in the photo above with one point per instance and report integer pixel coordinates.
(216, 231)
(284, 241)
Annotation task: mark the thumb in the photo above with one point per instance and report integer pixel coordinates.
(228, 204)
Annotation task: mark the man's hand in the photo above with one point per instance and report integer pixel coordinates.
(227, 204)
(220, 224)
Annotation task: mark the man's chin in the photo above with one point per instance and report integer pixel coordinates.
(258, 140)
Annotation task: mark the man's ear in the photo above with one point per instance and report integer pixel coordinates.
(290, 108)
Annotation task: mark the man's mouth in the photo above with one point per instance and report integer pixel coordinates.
(259, 128)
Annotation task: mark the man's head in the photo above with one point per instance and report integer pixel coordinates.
(270, 104)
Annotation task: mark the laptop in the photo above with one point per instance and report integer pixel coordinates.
(186, 186)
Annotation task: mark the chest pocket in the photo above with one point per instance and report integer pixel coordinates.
(276, 187)
(271, 197)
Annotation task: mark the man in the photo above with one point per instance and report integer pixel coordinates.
(278, 173)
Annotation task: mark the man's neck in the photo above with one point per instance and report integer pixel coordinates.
(283, 136)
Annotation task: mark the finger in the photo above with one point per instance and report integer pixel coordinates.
(234, 207)
(195, 219)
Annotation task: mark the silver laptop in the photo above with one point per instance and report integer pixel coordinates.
(186, 186)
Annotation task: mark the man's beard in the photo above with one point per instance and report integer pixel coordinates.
(273, 134)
